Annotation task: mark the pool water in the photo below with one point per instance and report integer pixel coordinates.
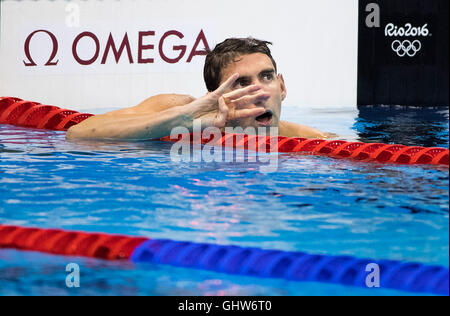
(313, 204)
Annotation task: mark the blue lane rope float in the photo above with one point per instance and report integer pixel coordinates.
(293, 266)
(254, 262)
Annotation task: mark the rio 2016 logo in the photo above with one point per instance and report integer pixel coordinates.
(406, 47)
(408, 30)
(402, 47)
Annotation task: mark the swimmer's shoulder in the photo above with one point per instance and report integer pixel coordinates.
(289, 129)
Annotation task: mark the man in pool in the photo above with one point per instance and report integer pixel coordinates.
(244, 90)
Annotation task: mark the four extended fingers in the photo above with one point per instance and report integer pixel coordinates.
(245, 96)
(250, 99)
(240, 98)
(236, 94)
(228, 84)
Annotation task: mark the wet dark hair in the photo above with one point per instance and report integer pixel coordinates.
(226, 52)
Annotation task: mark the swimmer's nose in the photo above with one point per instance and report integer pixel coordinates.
(261, 101)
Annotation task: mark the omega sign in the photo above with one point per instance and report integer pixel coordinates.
(117, 49)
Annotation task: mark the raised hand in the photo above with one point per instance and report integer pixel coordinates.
(220, 106)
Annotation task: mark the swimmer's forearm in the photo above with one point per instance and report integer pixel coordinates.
(133, 126)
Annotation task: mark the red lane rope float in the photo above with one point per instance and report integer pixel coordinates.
(376, 152)
(18, 112)
(69, 243)
(15, 111)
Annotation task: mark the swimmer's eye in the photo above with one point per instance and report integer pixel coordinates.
(268, 76)
(240, 83)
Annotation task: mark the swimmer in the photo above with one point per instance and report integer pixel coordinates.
(244, 89)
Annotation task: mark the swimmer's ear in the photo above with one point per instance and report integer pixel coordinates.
(283, 87)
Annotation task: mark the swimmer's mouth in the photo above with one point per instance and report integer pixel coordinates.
(265, 119)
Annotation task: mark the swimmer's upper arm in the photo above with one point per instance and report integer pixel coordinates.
(154, 104)
(128, 121)
(163, 102)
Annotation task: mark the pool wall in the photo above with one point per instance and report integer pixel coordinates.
(94, 54)
(314, 44)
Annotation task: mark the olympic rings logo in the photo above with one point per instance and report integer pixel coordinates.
(406, 47)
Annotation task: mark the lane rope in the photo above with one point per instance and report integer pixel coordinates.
(229, 259)
(15, 111)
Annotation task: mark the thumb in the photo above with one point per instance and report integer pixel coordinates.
(222, 114)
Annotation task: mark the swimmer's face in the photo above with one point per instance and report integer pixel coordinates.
(258, 69)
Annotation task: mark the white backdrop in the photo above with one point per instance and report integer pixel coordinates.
(315, 46)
